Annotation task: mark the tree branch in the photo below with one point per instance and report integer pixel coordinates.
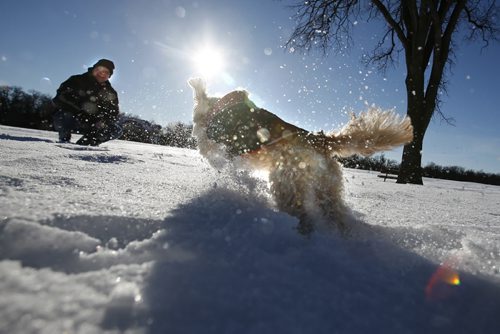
(481, 20)
(315, 20)
(394, 25)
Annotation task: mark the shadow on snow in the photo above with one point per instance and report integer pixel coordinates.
(251, 272)
(226, 263)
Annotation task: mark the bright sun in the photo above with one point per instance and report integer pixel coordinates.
(208, 61)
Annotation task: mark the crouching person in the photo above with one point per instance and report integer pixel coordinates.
(87, 103)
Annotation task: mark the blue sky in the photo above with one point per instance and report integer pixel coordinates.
(157, 45)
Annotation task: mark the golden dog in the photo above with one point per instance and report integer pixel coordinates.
(305, 179)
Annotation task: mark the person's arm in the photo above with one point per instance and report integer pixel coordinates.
(111, 107)
(116, 109)
(67, 96)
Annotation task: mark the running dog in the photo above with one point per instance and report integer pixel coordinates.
(305, 179)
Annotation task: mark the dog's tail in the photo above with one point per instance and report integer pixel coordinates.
(370, 132)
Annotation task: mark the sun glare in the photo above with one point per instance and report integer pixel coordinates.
(208, 61)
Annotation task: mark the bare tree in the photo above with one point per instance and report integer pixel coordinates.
(423, 31)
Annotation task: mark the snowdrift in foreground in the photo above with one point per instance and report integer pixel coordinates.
(148, 239)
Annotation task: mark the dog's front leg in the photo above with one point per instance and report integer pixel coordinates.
(289, 192)
(309, 186)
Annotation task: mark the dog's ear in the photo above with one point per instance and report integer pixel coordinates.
(199, 86)
(199, 90)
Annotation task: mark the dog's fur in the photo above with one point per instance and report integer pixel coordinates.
(305, 179)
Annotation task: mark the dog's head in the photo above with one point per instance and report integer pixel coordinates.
(203, 113)
(206, 107)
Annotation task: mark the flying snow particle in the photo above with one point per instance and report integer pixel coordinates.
(180, 12)
(45, 81)
(268, 51)
(112, 243)
(123, 297)
(263, 134)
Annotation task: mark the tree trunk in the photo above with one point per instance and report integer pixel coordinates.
(411, 170)
(411, 162)
(420, 115)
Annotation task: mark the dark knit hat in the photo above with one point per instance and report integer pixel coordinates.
(106, 63)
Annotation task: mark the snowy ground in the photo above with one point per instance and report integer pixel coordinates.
(138, 238)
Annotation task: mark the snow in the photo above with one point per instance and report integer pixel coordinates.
(138, 238)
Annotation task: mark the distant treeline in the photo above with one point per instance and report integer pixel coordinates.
(27, 110)
(34, 110)
(455, 173)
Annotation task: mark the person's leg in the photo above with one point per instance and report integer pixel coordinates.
(64, 122)
(88, 130)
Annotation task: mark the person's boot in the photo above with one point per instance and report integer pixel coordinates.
(64, 136)
(86, 141)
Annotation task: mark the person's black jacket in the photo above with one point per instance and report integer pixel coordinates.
(88, 99)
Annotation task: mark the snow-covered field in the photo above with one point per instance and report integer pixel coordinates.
(137, 238)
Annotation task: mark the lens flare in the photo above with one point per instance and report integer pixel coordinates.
(440, 282)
